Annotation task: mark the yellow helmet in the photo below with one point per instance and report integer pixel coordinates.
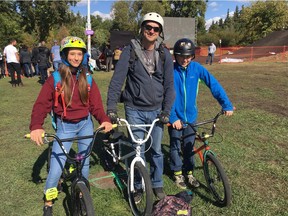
(72, 42)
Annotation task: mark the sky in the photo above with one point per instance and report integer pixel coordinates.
(216, 9)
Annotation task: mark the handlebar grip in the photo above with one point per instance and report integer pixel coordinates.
(114, 125)
(28, 136)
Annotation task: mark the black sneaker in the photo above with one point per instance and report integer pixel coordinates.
(137, 196)
(159, 193)
(47, 211)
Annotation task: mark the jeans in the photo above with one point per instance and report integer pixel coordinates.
(134, 116)
(176, 163)
(12, 68)
(28, 69)
(36, 69)
(56, 65)
(210, 58)
(43, 73)
(58, 159)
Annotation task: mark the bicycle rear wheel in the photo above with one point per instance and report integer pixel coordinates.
(82, 201)
(141, 200)
(217, 180)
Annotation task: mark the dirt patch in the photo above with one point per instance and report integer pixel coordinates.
(102, 180)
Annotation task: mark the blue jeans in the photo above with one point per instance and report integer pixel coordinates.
(58, 159)
(176, 163)
(56, 65)
(210, 58)
(36, 69)
(28, 69)
(134, 116)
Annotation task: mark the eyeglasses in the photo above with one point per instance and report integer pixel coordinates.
(149, 28)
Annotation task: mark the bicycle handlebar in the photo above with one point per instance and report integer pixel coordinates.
(60, 142)
(213, 120)
(129, 126)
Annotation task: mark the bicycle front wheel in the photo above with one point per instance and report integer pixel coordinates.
(217, 180)
(82, 201)
(141, 199)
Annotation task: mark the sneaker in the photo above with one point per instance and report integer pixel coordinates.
(193, 181)
(159, 193)
(137, 196)
(180, 181)
(47, 211)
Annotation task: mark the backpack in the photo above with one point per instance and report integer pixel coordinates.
(174, 205)
(109, 53)
(134, 56)
(59, 91)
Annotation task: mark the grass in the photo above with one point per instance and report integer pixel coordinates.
(253, 153)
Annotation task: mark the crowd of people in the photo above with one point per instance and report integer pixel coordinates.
(151, 86)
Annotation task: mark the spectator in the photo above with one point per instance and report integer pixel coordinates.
(116, 56)
(2, 65)
(186, 82)
(73, 114)
(25, 59)
(108, 58)
(211, 51)
(148, 91)
(43, 61)
(13, 63)
(95, 54)
(55, 54)
(34, 59)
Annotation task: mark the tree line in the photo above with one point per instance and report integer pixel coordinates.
(33, 21)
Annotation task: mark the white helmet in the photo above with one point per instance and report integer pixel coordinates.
(154, 17)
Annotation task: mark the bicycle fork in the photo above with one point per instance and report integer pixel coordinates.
(131, 173)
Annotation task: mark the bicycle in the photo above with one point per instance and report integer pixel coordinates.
(215, 176)
(80, 188)
(135, 170)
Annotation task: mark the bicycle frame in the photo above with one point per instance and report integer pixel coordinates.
(137, 150)
(204, 137)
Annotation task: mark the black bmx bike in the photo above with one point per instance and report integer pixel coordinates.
(81, 201)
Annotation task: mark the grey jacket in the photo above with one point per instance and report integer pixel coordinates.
(143, 91)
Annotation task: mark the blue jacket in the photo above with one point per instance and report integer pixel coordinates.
(142, 91)
(186, 84)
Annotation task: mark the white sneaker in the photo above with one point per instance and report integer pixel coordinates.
(180, 181)
(193, 181)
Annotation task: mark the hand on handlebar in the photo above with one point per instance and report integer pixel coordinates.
(164, 117)
(107, 126)
(112, 115)
(36, 136)
(228, 113)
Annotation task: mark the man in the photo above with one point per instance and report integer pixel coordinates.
(108, 58)
(34, 59)
(13, 62)
(43, 61)
(149, 90)
(211, 51)
(55, 54)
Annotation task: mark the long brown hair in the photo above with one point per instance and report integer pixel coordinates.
(68, 83)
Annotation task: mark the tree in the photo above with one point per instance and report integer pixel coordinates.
(264, 17)
(44, 15)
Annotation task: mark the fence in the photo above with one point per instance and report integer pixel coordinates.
(248, 54)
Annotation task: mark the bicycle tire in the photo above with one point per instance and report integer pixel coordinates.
(82, 201)
(145, 205)
(217, 180)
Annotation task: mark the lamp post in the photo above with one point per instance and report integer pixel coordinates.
(220, 41)
(88, 28)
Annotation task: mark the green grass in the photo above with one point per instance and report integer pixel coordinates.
(253, 153)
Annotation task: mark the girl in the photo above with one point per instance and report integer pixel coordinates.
(72, 112)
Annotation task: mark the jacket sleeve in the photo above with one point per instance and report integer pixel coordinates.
(216, 89)
(43, 105)
(96, 105)
(169, 92)
(118, 79)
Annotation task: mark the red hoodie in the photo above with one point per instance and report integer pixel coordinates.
(75, 112)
